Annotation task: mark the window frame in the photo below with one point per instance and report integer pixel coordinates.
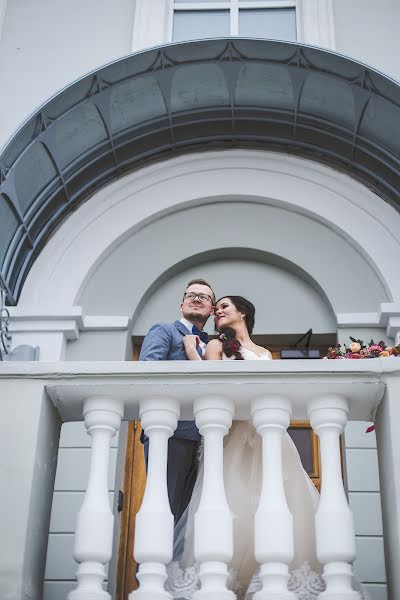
(153, 19)
(234, 6)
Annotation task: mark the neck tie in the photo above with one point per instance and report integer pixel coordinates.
(202, 334)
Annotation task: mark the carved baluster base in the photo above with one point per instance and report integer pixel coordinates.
(152, 577)
(275, 577)
(213, 576)
(90, 576)
(338, 577)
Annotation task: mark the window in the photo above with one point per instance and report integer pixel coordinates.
(158, 22)
(196, 19)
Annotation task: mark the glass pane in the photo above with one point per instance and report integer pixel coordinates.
(272, 23)
(303, 443)
(199, 1)
(198, 24)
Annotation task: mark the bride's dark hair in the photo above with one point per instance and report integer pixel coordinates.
(230, 345)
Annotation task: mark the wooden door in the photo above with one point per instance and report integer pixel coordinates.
(133, 490)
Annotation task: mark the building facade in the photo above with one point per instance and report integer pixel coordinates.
(148, 142)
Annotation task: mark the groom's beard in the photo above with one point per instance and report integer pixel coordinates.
(196, 318)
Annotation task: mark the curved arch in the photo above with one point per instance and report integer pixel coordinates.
(296, 185)
(229, 92)
(251, 254)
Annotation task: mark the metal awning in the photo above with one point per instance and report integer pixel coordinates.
(209, 94)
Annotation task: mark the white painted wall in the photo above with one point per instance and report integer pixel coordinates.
(47, 44)
(362, 479)
(70, 484)
(29, 431)
(368, 31)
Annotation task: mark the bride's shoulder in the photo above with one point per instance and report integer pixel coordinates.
(214, 350)
(260, 350)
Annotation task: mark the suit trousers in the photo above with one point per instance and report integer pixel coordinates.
(181, 472)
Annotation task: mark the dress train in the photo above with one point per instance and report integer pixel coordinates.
(242, 479)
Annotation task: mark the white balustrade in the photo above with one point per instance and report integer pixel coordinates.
(213, 520)
(95, 522)
(334, 520)
(273, 522)
(154, 529)
(164, 388)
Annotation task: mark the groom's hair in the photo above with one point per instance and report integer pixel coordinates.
(201, 282)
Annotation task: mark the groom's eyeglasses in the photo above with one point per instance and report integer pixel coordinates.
(201, 297)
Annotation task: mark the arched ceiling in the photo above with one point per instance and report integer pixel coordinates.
(221, 93)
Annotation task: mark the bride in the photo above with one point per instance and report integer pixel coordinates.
(234, 319)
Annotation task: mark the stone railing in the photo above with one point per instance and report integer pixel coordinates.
(270, 394)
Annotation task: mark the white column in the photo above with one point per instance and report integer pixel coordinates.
(95, 522)
(334, 521)
(273, 522)
(317, 23)
(3, 8)
(213, 525)
(154, 529)
(388, 442)
(150, 24)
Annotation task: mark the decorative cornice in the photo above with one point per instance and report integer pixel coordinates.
(388, 317)
(70, 322)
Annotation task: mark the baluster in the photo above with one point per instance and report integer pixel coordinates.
(213, 526)
(334, 520)
(95, 521)
(273, 522)
(154, 528)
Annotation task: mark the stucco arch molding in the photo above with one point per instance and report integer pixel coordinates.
(114, 213)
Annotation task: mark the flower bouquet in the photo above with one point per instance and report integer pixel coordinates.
(357, 349)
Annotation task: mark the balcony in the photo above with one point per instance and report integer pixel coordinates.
(328, 393)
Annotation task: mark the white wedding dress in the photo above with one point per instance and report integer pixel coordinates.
(242, 478)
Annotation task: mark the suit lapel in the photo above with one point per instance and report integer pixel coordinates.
(181, 328)
(185, 331)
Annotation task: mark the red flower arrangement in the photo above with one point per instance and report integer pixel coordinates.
(357, 349)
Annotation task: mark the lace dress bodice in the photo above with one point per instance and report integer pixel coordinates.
(249, 355)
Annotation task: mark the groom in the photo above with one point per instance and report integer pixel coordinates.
(164, 341)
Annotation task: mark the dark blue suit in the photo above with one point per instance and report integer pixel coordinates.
(164, 341)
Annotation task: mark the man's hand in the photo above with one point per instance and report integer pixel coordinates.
(191, 343)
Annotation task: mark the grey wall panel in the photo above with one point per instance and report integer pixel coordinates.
(356, 437)
(73, 469)
(377, 592)
(74, 435)
(366, 507)
(370, 563)
(60, 563)
(65, 509)
(57, 590)
(362, 470)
